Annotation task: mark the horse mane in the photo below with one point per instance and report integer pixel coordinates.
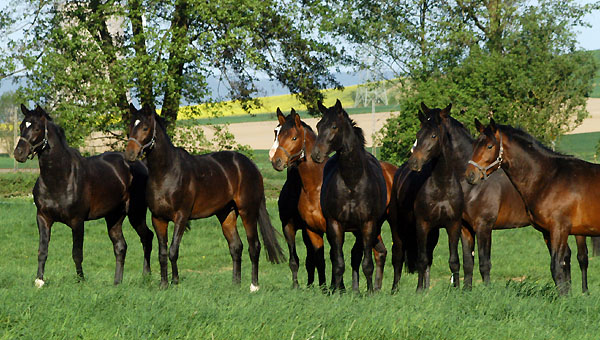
(358, 132)
(528, 138)
(290, 122)
(62, 138)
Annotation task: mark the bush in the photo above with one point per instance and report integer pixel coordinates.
(17, 183)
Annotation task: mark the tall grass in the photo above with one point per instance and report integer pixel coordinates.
(520, 303)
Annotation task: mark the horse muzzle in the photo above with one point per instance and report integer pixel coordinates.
(22, 151)
(278, 164)
(132, 151)
(414, 164)
(471, 175)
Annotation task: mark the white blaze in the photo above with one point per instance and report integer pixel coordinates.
(414, 146)
(137, 121)
(275, 144)
(27, 124)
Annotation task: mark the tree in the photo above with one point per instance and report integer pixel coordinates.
(84, 59)
(519, 63)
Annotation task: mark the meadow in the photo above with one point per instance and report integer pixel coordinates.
(520, 302)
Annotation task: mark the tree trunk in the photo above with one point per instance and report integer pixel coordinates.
(139, 44)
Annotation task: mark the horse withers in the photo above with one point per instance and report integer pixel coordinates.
(72, 189)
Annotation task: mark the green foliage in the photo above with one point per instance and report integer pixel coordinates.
(192, 139)
(519, 65)
(225, 140)
(83, 59)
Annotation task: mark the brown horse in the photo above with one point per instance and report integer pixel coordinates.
(294, 140)
(493, 205)
(182, 187)
(72, 189)
(559, 191)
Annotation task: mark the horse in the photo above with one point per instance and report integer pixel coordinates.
(353, 193)
(492, 205)
(291, 221)
(558, 190)
(294, 139)
(72, 189)
(182, 187)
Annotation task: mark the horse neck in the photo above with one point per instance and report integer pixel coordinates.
(311, 173)
(161, 157)
(524, 166)
(57, 161)
(352, 157)
(457, 147)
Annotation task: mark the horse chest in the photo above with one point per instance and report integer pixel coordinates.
(440, 204)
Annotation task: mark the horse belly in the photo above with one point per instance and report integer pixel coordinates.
(310, 212)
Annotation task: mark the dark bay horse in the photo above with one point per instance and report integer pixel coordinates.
(182, 187)
(353, 193)
(293, 141)
(72, 189)
(560, 192)
(495, 204)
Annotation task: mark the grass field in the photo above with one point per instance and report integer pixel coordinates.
(520, 303)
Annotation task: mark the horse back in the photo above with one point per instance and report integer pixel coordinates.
(107, 182)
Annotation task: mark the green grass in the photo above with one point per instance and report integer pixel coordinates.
(582, 145)
(7, 162)
(520, 303)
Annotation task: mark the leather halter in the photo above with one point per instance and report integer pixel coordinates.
(497, 162)
(299, 153)
(148, 145)
(43, 143)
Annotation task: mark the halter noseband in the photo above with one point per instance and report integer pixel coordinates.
(148, 145)
(498, 162)
(43, 143)
(299, 153)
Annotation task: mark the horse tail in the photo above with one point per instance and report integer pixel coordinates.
(269, 235)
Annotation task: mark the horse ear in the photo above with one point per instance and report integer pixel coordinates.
(25, 110)
(297, 119)
(280, 117)
(493, 125)
(421, 116)
(147, 110)
(424, 107)
(445, 113)
(321, 107)
(479, 126)
(338, 105)
(132, 108)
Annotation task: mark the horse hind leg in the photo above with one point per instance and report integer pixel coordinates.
(380, 253)
(289, 231)
(114, 224)
(228, 225)
(468, 246)
(356, 257)
(582, 258)
(317, 250)
(137, 218)
(250, 219)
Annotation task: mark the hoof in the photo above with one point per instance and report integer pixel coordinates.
(254, 288)
(39, 283)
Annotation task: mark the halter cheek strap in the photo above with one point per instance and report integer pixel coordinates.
(299, 154)
(497, 162)
(148, 145)
(33, 147)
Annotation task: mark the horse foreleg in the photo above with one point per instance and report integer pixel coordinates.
(369, 238)
(137, 219)
(380, 253)
(559, 251)
(422, 259)
(484, 250)
(114, 224)
(335, 237)
(289, 231)
(397, 255)
(44, 227)
(77, 253)
(318, 255)
(467, 238)
(181, 223)
(160, 227)
(454, 262)
(582, 258)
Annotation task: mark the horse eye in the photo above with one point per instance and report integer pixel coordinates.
(334, 127)
(490, 146)
(294, 138)
(145, 129)
(433, 136)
